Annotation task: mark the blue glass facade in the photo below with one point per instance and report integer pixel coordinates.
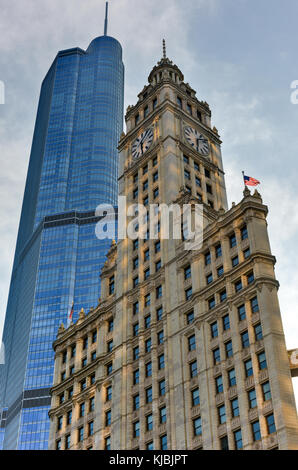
(72, 169)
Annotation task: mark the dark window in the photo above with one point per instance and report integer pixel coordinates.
(135, 329)
(209, 188)
(192, 343)
(258, 332)
(148, 345)
(252, 398)
(223, 295)
(158, 265)
(254, 305)
(238, 439)
(108, 443)
(135, 244)
(190, 317)
(179, 102)
(221, 414)
(59, 423)
(147, 300)
(109, 368)
(211, 303)
(248, 368)
(193, 369)
(238, 285)
(162, 387)
(91, 404)
(163, 415)
(149, 422)
(109, 393)
(232, 377)
(136, 429)
(270, 424)
(216, 356)
(266, 391)
(235, 261)
(81, 434)
(244, 233)
(235, 407)
(146, 273)
(161, 362)
(155, 176)
(111, 285)
(214, 330)
(229, 349)
(250, 278)
(256, 431)
(245, 339)
(148, 369)
(218, 251)
(108, 418)
(164, 442)
(197, 426)
(148, 395)
(110, 325)
(226, 322)
(219, 384)
(207, 258)
(246, 253)
(188, 293)
(159, 292)
(157, 247)
(187, 272)
(224, 443)
(94, 336)
(209, 278)
(241, 312)
(262, 361)
(136, 377)
(90, 428)
(147, 321)
(233, 241)
(207, 173)
(159, 313)
(136, 352)
(136, 402)
(160, 337)
(136, 308)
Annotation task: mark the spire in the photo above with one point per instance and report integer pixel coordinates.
(106, 19)
(164, 49)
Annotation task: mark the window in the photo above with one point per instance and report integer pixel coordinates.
(136, 352)
(224, 443)
(146, 111)
(155, 193)
(147, 300)
(136, 429)
(158, 265)
(238, 439)
(256, 431)
(69, 417)
(149, 422)
(218, 251)
(135, 244)
(92, 379)
(188, 107)
(136, 377)
(81, 434)
(136, 402)
(162, 387)
(110, 325)
(155, 177)
(70, 392)
(58, 444)
(258, 332)
(233, 241)
(159, 292)
(232, 377)
(193, 369)
(154, 161)
(148, 345)
(161, 362)
(254, 305)
(197, 426)
(262, 361)
(221, 414)
(252, 398)
(84, 361)
(83, 385)
(229, 349)
(235, 407)
(209, 278)
(108, 443)
(109, 393)
(109, 368)
(135, 308)
(163, 442)
(191, 343)
(207, 258)
(270, 424)
(90, 428)
(135, 178)
(250, 277)
(216, 356)
(238, 285)
(63, 375)
(245, 339)
(209, 188)
(147, 321)
(248, 368)
(241, 312)
(146, 273)
(196, 166)
(67, 441)
(226, 322)
(135, 329)
(91, 404)
(188, 293)
(266, 391)
(219, 384)
(110, 345)
(186, 159)
(246, 253)
(137, 119)
(195, 397)
(207, 173)
(190, 317)
(187, 272)
(94, 336)
(135, 193)
(235, 261)
(112, 285)
(211, 303)
(64, 357)
(179, 102)
(149, 395)
(160, 337)
(145, 169)
(223, 295)
(135, 263)
(244, 233)
(159, 313)
(154, 103)
(150, 446)
(187, 174)
(198, 181)
(146, 201)
(59, 423)
(61, 398)
(82, 409)
(163, 415)
(148, 369)
(214, 330)
(73, 351)
(157, 247)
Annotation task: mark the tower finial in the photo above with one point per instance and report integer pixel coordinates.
(106, 19)
(164, 49)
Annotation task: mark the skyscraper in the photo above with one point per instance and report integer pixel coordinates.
(58, 259)
(186, 348)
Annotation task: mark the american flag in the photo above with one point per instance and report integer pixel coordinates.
(69, 318)
(249, 181)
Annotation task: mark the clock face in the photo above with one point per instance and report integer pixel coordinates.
(142, 143)
(198, 141)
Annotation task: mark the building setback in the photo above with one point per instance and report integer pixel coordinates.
(73, 168)
(186, 348)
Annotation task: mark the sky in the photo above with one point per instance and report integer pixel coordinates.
(239, 55)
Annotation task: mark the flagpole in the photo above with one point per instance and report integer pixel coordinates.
(243, 179)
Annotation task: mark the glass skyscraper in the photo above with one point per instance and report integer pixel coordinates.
(72, 169)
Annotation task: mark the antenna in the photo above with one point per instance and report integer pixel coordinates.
(106, 19)
(164, 49)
